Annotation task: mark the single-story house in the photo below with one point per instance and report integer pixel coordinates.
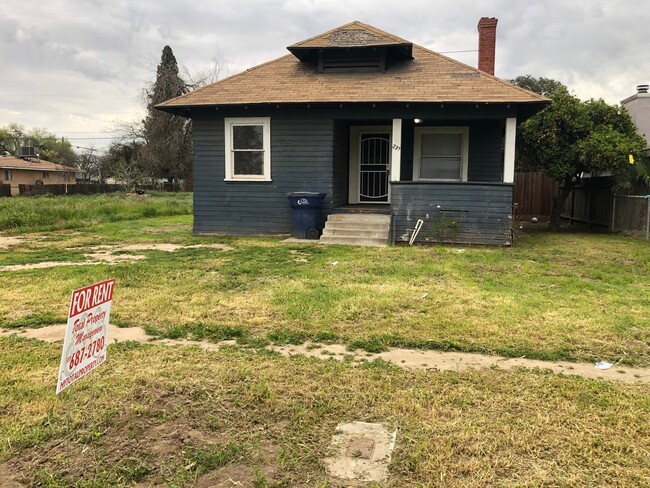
(17, 171)
(379, 124)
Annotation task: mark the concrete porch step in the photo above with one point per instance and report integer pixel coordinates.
(360, 226)
(372, 233)
(353, 241)
(357, 229)
(359, 217)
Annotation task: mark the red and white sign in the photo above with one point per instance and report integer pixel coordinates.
(84, 347)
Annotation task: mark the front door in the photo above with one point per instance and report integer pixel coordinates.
(374, 158)
(370, 154)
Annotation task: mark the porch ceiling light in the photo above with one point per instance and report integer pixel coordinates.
(417, 121)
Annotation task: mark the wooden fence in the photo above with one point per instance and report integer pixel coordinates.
(78, 189)
(590, 203)
(631, 212)
(534, 193)
(5, 190)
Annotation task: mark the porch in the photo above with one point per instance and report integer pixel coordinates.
(454, 175)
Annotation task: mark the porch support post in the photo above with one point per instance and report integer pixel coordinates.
(509, 153)
(396, 151)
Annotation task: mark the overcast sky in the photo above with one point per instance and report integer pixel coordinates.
(76, 67)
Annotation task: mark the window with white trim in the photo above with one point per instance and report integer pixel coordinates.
(9, 175)
(248, 149)
(440, 153)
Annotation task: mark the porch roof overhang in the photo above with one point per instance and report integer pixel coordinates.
(417, 109)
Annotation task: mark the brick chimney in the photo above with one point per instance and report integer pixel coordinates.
(487, 40)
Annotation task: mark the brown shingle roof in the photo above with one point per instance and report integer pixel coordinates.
(428, 77)
(11, 162)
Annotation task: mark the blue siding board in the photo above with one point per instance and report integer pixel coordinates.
(301, 160)
(468, 213)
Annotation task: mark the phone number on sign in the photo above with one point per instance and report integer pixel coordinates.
(85, 352)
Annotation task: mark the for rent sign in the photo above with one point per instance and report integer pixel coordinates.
(84, 347)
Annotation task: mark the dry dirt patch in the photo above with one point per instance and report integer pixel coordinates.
(8, 241)
(7, 477)
(109, 255)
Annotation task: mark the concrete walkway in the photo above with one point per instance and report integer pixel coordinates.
(405, 358)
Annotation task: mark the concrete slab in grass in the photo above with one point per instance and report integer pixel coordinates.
(361, 451)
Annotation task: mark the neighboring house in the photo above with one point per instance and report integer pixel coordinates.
(16, 171)
(638, 105)
(376, 122)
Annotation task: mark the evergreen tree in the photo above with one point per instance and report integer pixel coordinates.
(167, 151)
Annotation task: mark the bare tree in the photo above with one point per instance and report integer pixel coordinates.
(210, 74)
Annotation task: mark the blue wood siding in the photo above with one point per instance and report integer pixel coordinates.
(486, 150)
(301, 160)
(467, 213)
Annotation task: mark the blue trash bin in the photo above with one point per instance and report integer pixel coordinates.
(307, 217)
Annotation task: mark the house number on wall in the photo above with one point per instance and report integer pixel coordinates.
(396, 147)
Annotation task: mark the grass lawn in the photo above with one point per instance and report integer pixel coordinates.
(552, 296)
(178, 416)
(186, 417)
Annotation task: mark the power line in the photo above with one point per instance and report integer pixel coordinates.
(89, 138)
(87, 132)
(465, 51)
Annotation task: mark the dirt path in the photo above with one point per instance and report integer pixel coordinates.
(105, 254)
(405, 358)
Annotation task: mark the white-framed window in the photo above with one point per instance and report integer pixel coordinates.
(248, 149)
(440, 153)
(9, 175)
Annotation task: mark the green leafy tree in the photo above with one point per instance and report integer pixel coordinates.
(543, 86)
(167, 150)
(571, 137)
(50, 147)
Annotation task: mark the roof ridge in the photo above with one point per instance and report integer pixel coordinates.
(241, 73)
(304, 41)
(382, 32)
(485, 73)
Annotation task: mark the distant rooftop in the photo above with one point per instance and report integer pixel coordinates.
(34, 164)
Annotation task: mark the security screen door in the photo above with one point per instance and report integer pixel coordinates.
(374, 157)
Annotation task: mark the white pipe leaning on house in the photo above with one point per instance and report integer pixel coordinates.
(416, 231)
(396, 151)
(509, 153)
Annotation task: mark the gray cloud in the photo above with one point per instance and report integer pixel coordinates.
(78, 65)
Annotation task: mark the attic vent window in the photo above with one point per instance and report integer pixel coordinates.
(365, 59)
(353, 37)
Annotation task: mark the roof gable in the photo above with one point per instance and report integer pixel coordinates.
(354, 34)
(427, 78)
